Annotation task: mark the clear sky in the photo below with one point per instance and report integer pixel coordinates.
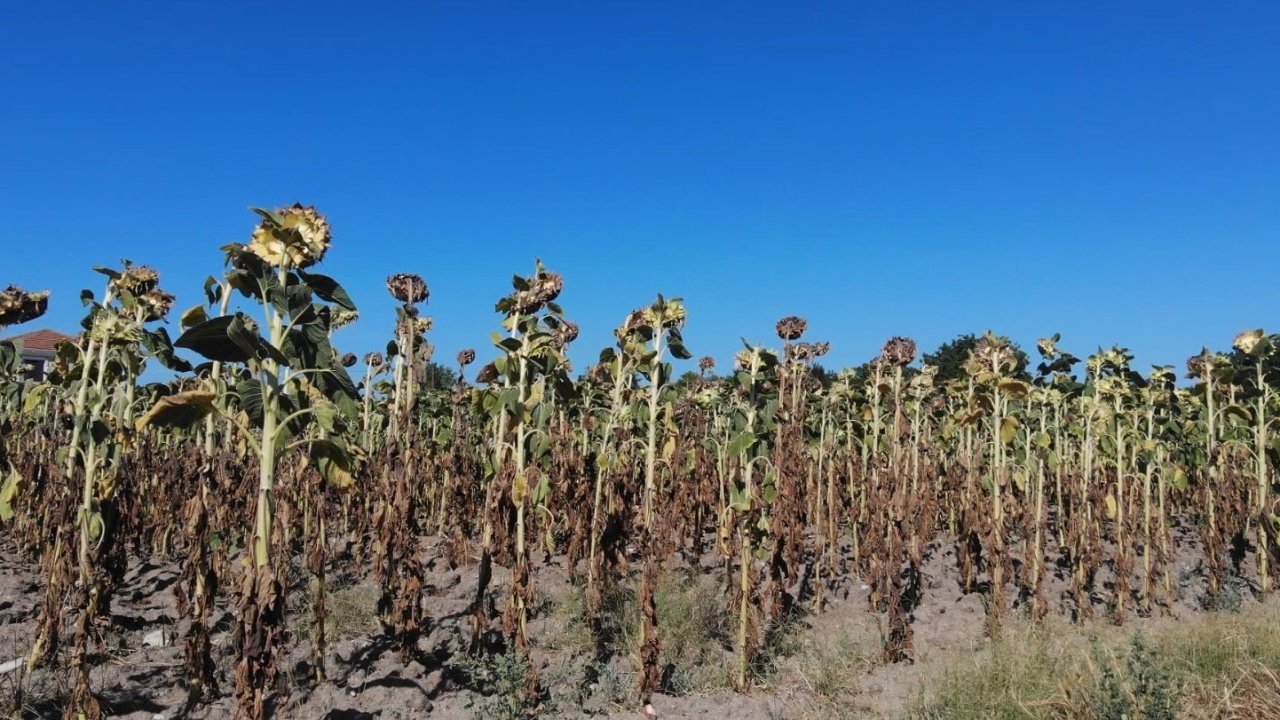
(1110, 171)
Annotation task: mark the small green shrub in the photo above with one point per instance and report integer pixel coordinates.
(1142, 689)
(500, 686)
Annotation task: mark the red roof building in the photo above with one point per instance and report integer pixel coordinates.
(39, 348)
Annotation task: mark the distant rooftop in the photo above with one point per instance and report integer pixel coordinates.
(42, 339)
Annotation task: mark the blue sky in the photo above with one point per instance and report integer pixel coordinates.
(1110, 171)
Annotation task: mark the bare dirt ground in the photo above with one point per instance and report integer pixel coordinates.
(824, 665)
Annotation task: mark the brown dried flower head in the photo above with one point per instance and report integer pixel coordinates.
(408, 288)
(138, 280)
(1201, 366)
(544, 287)
(157, 303)
(466, 357)
(19, 306)
(488, 375)
(994, 353)
(349, 360)
(373, 359)
(807, 352)
(566, 333)
(791, 327)
(900, 351)
(706, 364)
(548, 285)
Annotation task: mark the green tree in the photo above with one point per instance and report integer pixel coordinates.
(434, 376)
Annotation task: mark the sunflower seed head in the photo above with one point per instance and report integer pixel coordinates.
(487, 375)
(157, 303)
(566, 333)
(138, 280)
(807, 352)
(993, 353)
(19, 306)
(548, 285)
(408, 288)
(1201, 366)
(791, 327)
(466, 357)
(899, 351)
(349, 360)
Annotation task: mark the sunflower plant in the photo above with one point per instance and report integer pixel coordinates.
(296, 394)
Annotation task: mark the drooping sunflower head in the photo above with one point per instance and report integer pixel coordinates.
(1201, 366)
(1163, 377)
(806, 352)
(666, 314)
(373, 359)
(342, 317)
(297, 237)
(547, 285)
(706, 364)
(349, 360)
(994, 353)
(566, 333)
(488, 375)
(138, 280)
(408, 288)
(466, 357)
(1048, 346)
(900, 351)
(157, 303)
(1248, 340)
(533, 293)
(19, 306)
(791, 327)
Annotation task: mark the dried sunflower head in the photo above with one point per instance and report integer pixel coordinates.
(488, 375)
(19, 306)
(1201, 366)
(636, 320)
(791, 327)
(566, 333)
(674, 313)
(706, 364)
(547, 285)
(922, 383)
(342, 317)
(1048, 347)
(994, 353)
(373, 359)
(466, 357)
(1248, 340)
(157, 303)
(1163, 377)
(807, 352)
(349, 360)
(899, 351)
(138, 280)
(408, 288)
(297, 236)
